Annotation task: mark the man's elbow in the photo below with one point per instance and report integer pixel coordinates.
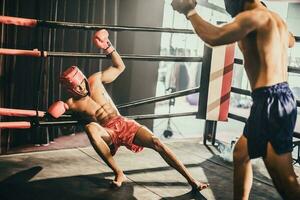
(214, 42)
(218, 41)
(292, 42)
(208, 39)
(291, 45)
(122, 68)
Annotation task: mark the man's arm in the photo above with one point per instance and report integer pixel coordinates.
(234, 31)
(292, 40)
(110, 73)
(243, 24)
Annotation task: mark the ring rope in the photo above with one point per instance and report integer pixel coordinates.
(37, 53)
(160, 98)
(18, 21)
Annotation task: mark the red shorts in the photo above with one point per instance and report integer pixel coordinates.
(122, 132)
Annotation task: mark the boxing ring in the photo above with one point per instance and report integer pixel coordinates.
(39, 118)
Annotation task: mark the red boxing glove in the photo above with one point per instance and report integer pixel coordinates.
(101, 41)
(57, 109)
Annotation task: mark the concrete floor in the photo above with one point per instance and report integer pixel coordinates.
(79, 174)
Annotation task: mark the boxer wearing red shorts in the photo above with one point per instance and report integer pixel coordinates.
(122, 132)
(106, 128)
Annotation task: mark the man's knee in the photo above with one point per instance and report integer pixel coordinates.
(290, 188)
(94, 131)
(89, 129)
(157, 144)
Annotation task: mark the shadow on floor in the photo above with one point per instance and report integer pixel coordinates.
(187, 196)
(19, 186)
(97, 186)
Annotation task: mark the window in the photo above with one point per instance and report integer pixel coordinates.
(177, 76)
(174, 76)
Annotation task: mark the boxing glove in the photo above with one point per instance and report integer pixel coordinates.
(57, 109)
(101, 41)
(186, 7)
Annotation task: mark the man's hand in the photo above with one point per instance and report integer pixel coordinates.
(101, 41)
(184, 6)
(57, 109)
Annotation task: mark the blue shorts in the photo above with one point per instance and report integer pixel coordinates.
(272, 119)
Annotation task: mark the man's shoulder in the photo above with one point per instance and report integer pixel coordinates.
(69, 101)
(74, 103)
(271, 21)
(95, 76)
(95, 81)
(256, 17)
(255, 13)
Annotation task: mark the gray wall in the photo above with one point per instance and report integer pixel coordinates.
(140, 78)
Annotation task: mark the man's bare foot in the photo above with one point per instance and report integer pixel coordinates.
(119, 179)
(198, 186)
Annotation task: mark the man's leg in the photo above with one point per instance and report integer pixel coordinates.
(281, 170)
(242, 174)
(145, 138)
(100, 140)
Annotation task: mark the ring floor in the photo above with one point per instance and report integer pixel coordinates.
(78, 173)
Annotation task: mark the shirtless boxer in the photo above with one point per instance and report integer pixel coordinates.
(106, 128)
(263, 38)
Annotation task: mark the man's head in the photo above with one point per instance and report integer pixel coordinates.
(234, 7)
(75, 82)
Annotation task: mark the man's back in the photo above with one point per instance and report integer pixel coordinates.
(265, 51)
